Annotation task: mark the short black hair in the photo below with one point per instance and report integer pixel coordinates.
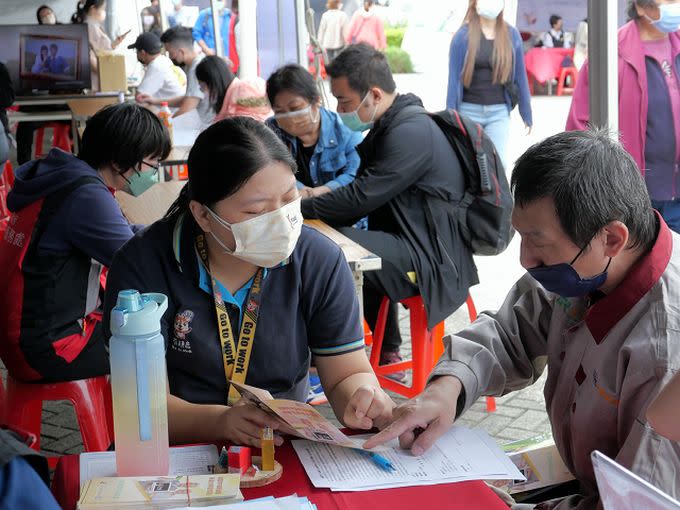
(554, 19)
(364, 67)
(215, 73)
(592, 180)
(123, 134)
(53, 45)
(632, 11)
(178, 36)
(37, 13)
(295, 79)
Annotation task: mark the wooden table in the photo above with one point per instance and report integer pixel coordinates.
(179, 155)
(358, 257)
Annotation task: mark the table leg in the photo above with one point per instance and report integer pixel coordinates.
(74, 130)
(359, 286)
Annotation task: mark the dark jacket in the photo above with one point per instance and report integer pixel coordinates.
(65, 226)
(408, 184)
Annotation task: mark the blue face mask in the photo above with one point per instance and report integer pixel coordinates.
(563, 280)
(354, 122)
(670, 18)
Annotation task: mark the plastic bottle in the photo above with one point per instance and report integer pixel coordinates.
(166, 116)
(138, 384)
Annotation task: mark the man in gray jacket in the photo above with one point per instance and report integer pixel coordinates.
(599, 308)
(408, 184)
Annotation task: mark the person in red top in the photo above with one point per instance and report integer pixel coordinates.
(367, 28)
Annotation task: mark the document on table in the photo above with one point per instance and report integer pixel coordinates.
(186, 128)
(460, 454)
(292, 502)
(184, 460)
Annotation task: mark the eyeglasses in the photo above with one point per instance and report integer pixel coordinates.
(156, 168)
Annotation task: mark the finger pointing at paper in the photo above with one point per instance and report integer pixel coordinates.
(419, 422)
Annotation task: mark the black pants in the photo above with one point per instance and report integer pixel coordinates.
(391, 281)
(92, 361)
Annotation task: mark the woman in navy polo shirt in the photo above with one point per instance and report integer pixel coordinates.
(233, 247)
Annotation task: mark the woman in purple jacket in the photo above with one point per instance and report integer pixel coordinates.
(649, 99)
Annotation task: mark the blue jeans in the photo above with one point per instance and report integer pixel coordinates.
(670, 212)
(495, 120)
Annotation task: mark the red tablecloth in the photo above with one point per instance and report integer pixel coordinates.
(453, 496)
(544, 64)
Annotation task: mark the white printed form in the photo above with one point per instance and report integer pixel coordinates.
(461, 454)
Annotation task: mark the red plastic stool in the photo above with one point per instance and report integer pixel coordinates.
(567, 72)
(472, 312)
(90, 398)
(61, 137)
(426, 348)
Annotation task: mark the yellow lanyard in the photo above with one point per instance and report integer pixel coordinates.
(236, 357)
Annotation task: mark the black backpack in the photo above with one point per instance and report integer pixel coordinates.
(485, 210)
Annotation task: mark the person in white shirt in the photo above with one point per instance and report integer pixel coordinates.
(161, 81)
(182, 15)
(179, 44)
(333, 30)
(555, 37)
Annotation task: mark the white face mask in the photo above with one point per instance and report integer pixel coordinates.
(266, 240)
(297, 118)
(490, 9)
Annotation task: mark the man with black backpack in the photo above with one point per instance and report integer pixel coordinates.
(410, 184)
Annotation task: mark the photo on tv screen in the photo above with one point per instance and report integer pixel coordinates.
(49, 58)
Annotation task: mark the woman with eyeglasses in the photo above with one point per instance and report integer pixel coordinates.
(322, 146)
(240, 269)
(64, 228)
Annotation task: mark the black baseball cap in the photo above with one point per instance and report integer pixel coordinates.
(149, 42)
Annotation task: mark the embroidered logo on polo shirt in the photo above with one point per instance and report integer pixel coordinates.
(183, 322)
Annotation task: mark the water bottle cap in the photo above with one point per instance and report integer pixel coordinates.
(137, 314)
(164, 103)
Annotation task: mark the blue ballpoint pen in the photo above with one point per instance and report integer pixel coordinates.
(378, 460)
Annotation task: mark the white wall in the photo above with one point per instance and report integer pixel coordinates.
(18, 12)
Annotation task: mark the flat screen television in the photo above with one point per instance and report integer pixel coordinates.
(46, 58)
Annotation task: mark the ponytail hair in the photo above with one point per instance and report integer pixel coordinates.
(224, 157)
(83, 7)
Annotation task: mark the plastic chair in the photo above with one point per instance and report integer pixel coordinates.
(61, 137)
(426, 348)
(91, 399)
(472, 312)
(6, 182)
(567, 72)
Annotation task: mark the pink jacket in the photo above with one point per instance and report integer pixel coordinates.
(633, 99)
(367, 29)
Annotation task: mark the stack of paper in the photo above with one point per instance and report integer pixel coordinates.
(460, 454)
(184, 460)
(292, 502)
(159, 492)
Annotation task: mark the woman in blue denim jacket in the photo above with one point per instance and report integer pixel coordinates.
(486, 69)
(323, 147)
